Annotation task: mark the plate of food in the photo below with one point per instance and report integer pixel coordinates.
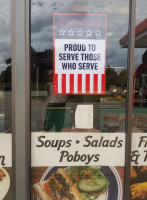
(79, 183)
(4, 182)
(138, 187)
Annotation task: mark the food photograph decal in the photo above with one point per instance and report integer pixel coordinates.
(79, 183)
(67, 167)
(4, 183)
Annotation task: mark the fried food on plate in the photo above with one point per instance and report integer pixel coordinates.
(139, 191)
(2, 174)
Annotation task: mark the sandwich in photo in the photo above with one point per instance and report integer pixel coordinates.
(73, 183)
(58, 187)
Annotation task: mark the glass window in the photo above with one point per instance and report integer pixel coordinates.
(5, 102)
(138, 188)
(78, 95)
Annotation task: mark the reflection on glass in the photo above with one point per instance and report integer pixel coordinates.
(140, 83)
(108, 109)
(55, 111)
(76, 112)
(140, 70)
(138, 188)
(5, 102)
(5, 68)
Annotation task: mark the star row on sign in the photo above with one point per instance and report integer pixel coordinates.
(89, 32)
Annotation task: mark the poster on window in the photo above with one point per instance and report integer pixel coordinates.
(77, 166)
(5, 166)
(79, 53)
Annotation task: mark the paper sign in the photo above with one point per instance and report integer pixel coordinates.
(5, 150)
(84, 116)
(78, 149)
(79, 53)
(139, 149)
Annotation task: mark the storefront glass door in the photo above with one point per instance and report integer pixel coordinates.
(85, 144)
(78, 99)
(138, 188)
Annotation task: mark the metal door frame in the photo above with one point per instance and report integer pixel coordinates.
(20, 12)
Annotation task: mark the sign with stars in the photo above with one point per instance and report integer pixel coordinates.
(79, 53)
